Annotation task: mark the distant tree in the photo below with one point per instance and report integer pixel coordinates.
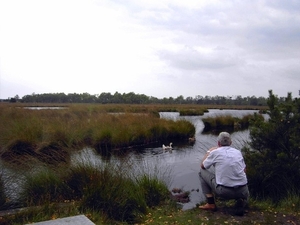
(238, 100)
(12, 100)
(274, 157)
(105, 98)
(179, 100)
(117, 98)
(132, 98)
(189, 100)
(73, 98)
(253, 100)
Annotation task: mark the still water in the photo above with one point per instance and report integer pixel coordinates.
(178, 168)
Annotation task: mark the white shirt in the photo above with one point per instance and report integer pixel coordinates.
(229, 166)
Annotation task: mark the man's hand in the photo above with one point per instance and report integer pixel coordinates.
(211, 149)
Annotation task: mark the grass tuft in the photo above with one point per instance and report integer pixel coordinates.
(153, 189)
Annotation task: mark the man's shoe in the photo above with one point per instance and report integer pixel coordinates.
(210, 207)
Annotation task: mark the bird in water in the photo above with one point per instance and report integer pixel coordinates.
(168, 147)
(192, 139)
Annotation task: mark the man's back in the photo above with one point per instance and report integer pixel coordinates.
(229, 166)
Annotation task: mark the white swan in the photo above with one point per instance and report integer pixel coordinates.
(167, 148)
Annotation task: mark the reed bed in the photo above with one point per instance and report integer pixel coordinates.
(49, 135)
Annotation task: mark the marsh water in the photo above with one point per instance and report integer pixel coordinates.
(178, 168)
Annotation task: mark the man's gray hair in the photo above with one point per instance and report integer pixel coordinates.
(224, 139)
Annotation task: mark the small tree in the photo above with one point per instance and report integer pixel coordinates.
(273, 161)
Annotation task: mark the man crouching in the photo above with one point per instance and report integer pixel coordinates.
(229, 181)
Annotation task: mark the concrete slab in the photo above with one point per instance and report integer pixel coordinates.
(72, 220)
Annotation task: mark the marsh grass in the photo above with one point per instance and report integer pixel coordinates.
(193, 112)
(120, 198)
(42, 187)
(153, 189)
(227, 122)
(44, 134)
(107, 188)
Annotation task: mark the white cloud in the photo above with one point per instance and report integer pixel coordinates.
(160, 48)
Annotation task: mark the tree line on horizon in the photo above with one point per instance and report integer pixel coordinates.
(132, 98)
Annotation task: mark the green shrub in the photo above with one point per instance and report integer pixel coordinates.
(274, 157)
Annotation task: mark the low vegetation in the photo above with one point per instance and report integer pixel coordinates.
(107, 194)
(193, 112)
(109, 189)
(261, 212)
(49, 135)
(228, 123)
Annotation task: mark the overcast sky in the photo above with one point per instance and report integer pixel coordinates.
(160, 48)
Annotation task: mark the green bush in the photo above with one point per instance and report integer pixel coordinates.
(274, 156)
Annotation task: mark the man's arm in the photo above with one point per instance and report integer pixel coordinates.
(206, 155)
